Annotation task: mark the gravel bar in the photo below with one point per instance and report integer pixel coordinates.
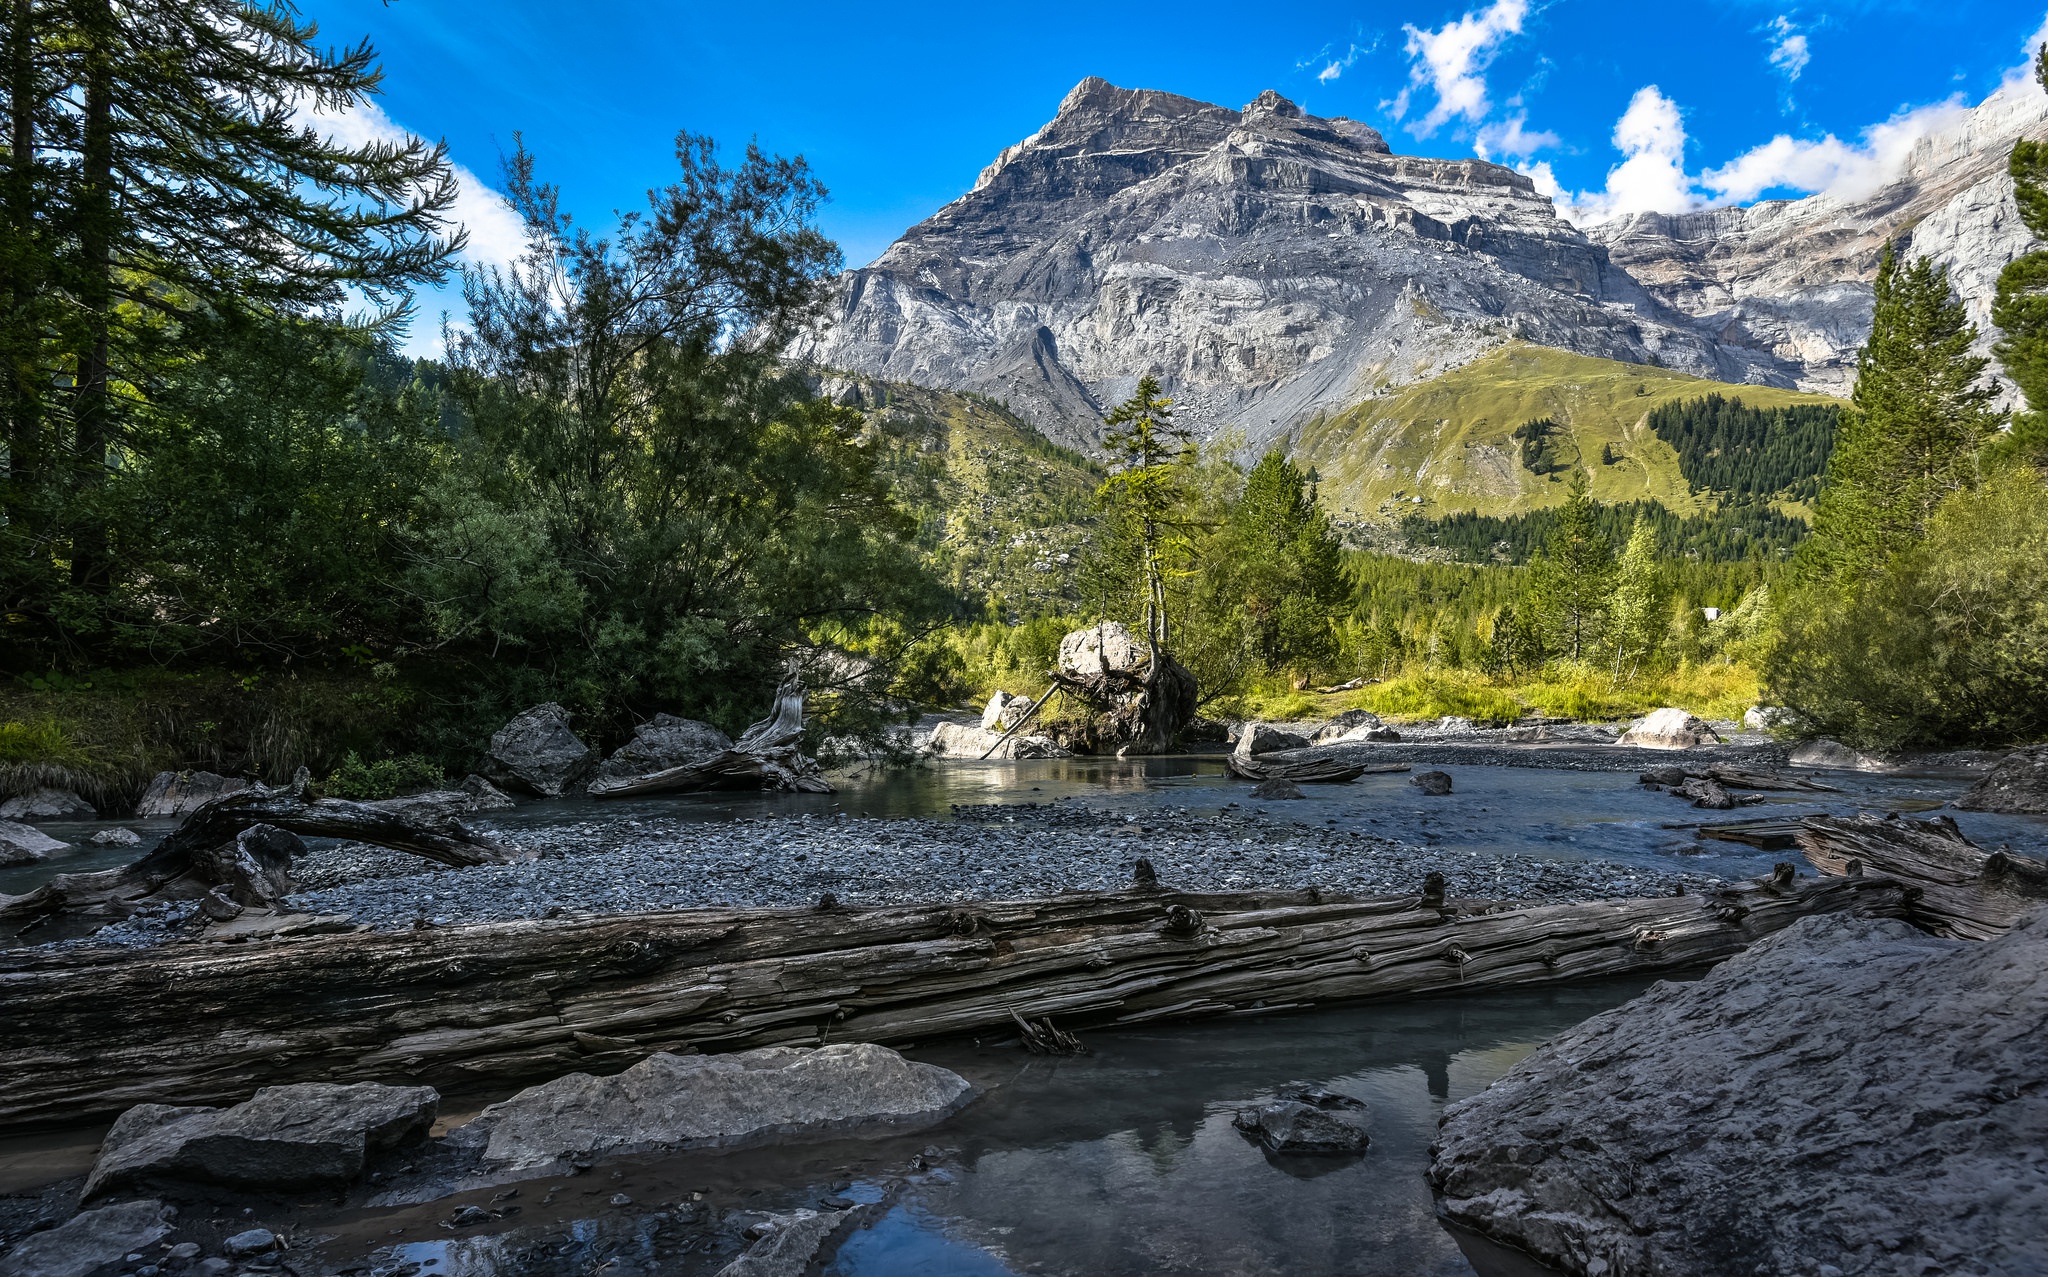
(982, 853)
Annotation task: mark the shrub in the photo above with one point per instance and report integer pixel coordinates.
(385, 778)
(1438, 695)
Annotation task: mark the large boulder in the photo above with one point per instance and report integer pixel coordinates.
(286, 1138)
(965, 740)
(1352, 725)
(1850, 1095)
(538, 753)
(1767, 718)
(1293, 1126)
(1264, 738)
(47, 804)
(715, 1101)
(798, 1244)
(1107, 648)
(2018, 785)
(662, 742)
(87, 1242)
(1836, 755)
(1668, 728)
(25, 844)
(175, 794)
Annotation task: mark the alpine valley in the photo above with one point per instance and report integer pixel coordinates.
(1292, 281)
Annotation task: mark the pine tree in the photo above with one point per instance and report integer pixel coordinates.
(1918, 416)
(1569, 580)
(161, 145)
(2020, 308)
(1639, 614)
(1145, 489)
(1273, 571)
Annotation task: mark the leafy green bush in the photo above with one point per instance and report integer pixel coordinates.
(40, 741)
(385, 778)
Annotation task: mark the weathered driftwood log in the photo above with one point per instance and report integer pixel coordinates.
(1957, 888)
(177, 866)
(1311, 771)
(92, 1031)
(767, 755)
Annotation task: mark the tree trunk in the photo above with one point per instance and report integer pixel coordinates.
(1955, 887)
(92, 1031)
(92, 409)
(23, 369)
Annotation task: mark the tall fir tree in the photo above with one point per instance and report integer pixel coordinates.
(1918, 416)
(169, 158)
(2020, 308)
(1274, 568)
(1570, 580)
(1639, 609)
(1145, 492)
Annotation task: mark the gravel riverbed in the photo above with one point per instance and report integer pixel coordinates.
(995, 852)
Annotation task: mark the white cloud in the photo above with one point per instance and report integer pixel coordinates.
(1512, 137)
(1789, 52)
(496, 235)
(1449, 61)
(1335, 67)
(1651, 177)
(1831, 166)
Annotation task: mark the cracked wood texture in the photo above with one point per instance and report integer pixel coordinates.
(91, 1032)
(1956, 888)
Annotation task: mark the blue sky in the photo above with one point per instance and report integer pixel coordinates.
(899, 107)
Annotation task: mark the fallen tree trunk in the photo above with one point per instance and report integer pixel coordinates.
(767, 756)
(220, 820)
(1956, 888)
(93, 1031)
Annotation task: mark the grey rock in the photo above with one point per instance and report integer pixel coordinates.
(1766, 718)
(1264, 738)
(1106, 647)
(213, 1266)
(115, 837)
(250, 1243)
(47, 804)
(1849, 1093)
(1668, 728)
(1351, 725)
(1836, 755)
(1276, 789)
(1435, 784)
(25, 844)
(84, 1242)
(183, 1253)
(1706, 793)
(964, 740)
(537, 752)
(662, 742)
(285, 1137)
(1292, 1126)
(794, 1245)
(174, 794)
(2017, 786)
(1004, 711)
(705, 1101)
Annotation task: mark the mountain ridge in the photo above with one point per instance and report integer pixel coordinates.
(1268, 265)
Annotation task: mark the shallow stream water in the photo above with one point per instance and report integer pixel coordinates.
(1122, 1161)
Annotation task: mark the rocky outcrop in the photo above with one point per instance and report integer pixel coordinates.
(47, 804)
(1668, 728)
(284, 1138)
(1851, 1095)
(25, 844)
(174, 794)
(88, 1242)
(662, 742)
(536, 752)
(2017, 786)
(715, 1101)
(964, 740)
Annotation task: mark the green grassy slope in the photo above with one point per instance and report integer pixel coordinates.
(1449, 440)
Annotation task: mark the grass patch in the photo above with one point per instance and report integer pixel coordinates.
(385, 778)
(1710, 691)
(1414, 697)
(41, 740)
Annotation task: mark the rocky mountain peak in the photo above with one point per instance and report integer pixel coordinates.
(1268, 265)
